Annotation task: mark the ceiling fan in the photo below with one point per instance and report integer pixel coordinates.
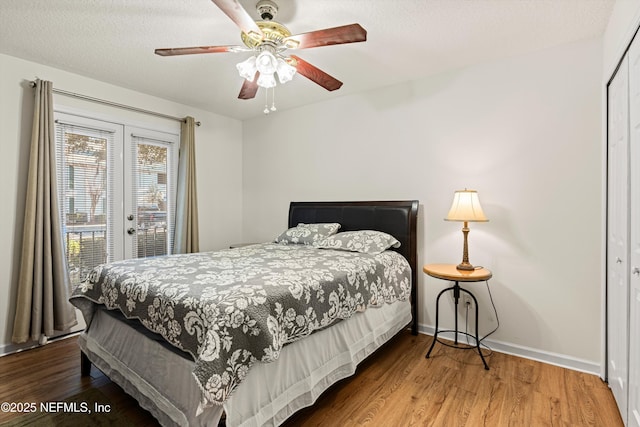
(271, 41)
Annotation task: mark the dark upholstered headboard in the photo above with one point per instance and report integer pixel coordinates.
(398, 218)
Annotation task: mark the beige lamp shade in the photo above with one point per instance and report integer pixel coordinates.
(466, 207)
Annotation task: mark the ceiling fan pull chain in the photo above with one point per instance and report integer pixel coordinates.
(266, 101)
(273, 99)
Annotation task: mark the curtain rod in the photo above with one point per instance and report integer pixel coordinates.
(114, 104)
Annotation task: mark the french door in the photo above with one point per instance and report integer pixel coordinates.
(116, 186)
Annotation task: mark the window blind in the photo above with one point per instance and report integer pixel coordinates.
(153, 194)
(84, 156)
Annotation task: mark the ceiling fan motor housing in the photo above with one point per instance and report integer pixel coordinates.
(267, 9)
(273, 34)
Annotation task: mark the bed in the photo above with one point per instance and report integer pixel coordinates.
(164, 374)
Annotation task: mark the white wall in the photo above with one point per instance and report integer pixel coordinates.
(218, 150)
(525, 132)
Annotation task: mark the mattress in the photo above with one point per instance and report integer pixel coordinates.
(162, 380)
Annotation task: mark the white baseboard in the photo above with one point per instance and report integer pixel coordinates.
(7, 349)
(561, 360)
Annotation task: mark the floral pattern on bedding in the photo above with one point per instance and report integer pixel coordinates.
(231, 308)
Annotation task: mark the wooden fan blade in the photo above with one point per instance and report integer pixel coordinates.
(316, 75)
(249, 89)
(241, 17)
(195, 50)
(329, 36)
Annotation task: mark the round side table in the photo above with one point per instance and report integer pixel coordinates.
(450, 273)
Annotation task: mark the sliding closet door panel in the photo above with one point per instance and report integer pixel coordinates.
(634, 236)
(617, 237)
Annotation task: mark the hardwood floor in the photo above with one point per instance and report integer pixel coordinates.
(397, 386)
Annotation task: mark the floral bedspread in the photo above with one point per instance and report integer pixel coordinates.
(231, 308)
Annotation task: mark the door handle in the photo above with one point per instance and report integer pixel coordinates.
(618, 260)
(131, 230)
(636, 271)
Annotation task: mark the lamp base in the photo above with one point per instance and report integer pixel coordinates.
(464, 265)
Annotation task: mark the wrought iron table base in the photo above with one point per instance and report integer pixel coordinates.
(456, 297)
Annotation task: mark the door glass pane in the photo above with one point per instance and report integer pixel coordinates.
(150, 197)
(82, 165)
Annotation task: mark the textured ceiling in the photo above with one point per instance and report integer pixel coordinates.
(113, 41)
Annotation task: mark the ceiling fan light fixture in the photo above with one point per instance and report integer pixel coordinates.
(285, 71)
(266, 81)
(266, 63)
(247, 69)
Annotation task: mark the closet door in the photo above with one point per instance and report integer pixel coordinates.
(617, 237)
(634, 236)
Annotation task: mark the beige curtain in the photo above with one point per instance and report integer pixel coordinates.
(186, 230)
(42, 305)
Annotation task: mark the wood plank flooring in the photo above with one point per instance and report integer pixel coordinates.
(395, 387)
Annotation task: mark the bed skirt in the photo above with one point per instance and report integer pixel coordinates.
(270, 393)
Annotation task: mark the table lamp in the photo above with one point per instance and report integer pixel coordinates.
(466, 208)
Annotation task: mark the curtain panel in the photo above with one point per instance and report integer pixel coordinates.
(42, 303)
(186, 231)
